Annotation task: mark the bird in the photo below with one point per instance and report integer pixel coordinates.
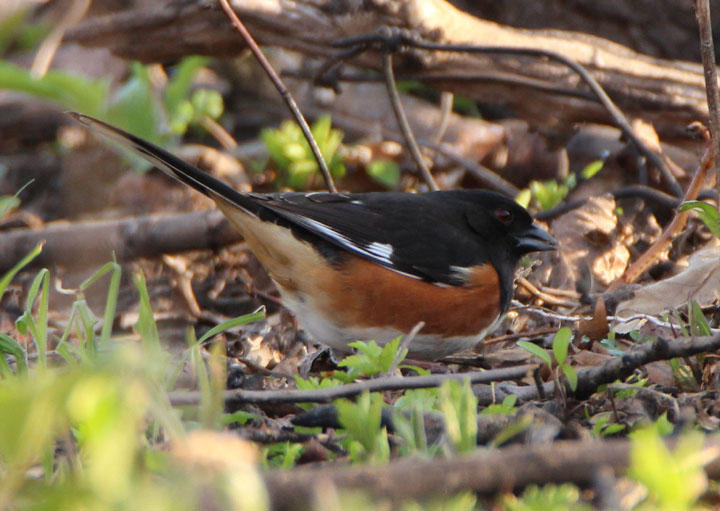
(372, 266)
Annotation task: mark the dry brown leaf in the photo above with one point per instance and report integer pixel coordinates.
(660, 373)
(507, 356)
(700, 281)
(597, 327)
(611, 264)
(587, 239)
(587, 358)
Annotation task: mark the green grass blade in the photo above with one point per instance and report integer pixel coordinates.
(38, 325)
(11, 347)
(5, 281)
(112, 297)
(232, 323)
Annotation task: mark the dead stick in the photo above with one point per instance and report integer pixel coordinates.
(403, 122)
(675, 226)
(484, 472)
(284, 92)
(89, 243)
(378, 384)
(707, 51)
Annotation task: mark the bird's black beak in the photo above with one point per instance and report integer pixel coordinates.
(535, 239)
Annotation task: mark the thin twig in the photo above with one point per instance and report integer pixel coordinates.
(403, 122)
(218, 132)
(179, 265)
(284, 92)
(484, 174)
(519, 335)
(446, 107)
(470, 77)
(45, 53)
(707, 51)
(546, 297)
(675, 226)
(646, 193)
(378, 384)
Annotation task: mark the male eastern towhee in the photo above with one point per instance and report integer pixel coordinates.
(370, 266)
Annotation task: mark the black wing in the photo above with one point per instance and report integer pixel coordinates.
(425, 236)
(422, 235)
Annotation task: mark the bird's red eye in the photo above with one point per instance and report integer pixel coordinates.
(503, 215)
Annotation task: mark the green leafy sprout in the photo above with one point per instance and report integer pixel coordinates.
(135, 106)
(291, 152)
(707, 213)
(550, 193)
(560, 344)
(675, 480)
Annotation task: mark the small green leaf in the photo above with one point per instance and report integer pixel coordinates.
(591, 169)
(570, 181)
(38, 326)
(536, 350)
(362, 420)
(133, 106)
(458, 405)
(674, 480)
(372, 359)
(548, 194)
(294, 151)
(291, 152)
(560, 344)
(707, 213)
(523, 198)
(571, 376)
(520, 424)
(239, 417)
(385, 172)
(611, 429)
(507, 407)
(466, 106)
(7, 204)
(178, 88)
(72, 91)
(698, 322)
(282, 455)
(207, 102)
(181, 117)
(564, 497)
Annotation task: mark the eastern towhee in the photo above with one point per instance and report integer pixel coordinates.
(373, 265)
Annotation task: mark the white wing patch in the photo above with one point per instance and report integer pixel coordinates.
(382, 250)
(461, 273)
(324, 229)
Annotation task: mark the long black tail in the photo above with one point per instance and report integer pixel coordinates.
(170, 164)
